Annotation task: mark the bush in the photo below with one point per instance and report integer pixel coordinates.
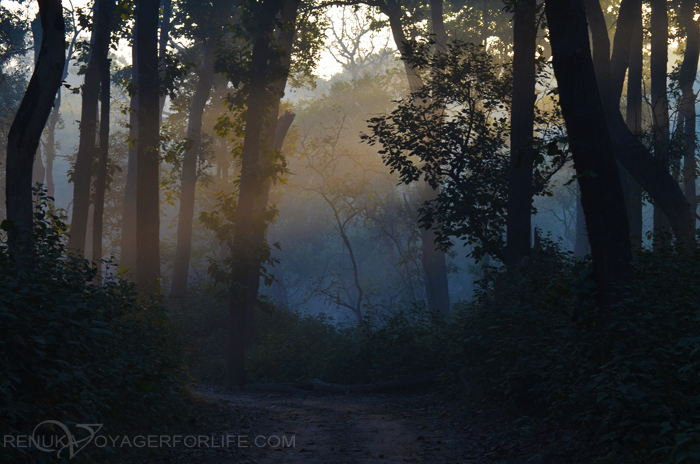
(77, 350)
(538, 344)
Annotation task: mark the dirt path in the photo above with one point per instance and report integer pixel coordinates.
(353, 429)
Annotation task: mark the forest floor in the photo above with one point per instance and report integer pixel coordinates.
(323, 428)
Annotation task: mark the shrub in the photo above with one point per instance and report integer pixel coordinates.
(79, 350)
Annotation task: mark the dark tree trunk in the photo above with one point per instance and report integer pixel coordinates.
(581, 247)
(686, 79)
(147, 150)
(162, 47)
(634, 121)
(629, 151)
(128, 239)
(630, 11)
(105, 17)
(601, 195)
(247, 250)
(38, 170)
(183, 248)
(522, 123)
(82, 174)
(433, 260)
(25, 133)
(659, 99)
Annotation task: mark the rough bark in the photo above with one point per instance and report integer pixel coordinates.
(629, 151)
(686, 80)
(518, 222)
(183, 248)
(25, 133)
(82, 173)
(634, 122)
(147, 150)
(599, 181)
(128, 238)
(105, 17)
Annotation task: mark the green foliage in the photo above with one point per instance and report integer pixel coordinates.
(77, 350)
(538, 344)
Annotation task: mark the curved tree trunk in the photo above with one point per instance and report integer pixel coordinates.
(522, 122)
(649, 171)
(183, 249)
(601, 195)
(25, 133)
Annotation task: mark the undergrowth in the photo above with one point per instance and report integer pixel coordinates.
(78, 349)
(530, 340)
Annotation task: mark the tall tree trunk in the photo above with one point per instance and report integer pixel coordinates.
(25, 133)
(433, 260)
(686, 80)
(629, 151)
(128, 238)
(634, 121)
(183, 249)
(105, 17)
(82, 173)
(601, 195)
(147, 150)
(247, 254)
(659, 98)
(38, 170)
(520, 190)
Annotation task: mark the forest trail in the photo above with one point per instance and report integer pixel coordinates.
(315, 428)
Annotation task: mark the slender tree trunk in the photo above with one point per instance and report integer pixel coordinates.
(650, 172)
(630, 11)
(82, 174)
(162, 47)
(25, 133)
(686, 80)
(433, 260)
(634, 121)
(103, 152)
(183, 248)
(522, 124)
(147, 150)
(53, 122)
(128, 239)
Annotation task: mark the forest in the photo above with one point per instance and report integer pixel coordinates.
(334, 231)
